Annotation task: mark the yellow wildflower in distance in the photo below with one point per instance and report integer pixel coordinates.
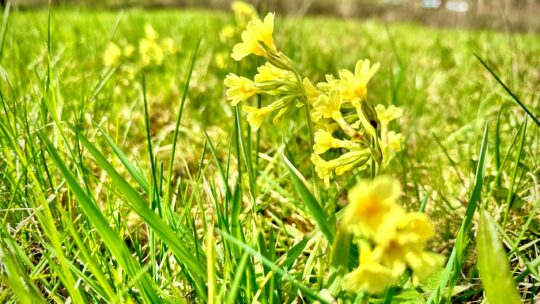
(150, 52)
(239, 88)
(243, 12)
(112, 55)
(256, 34)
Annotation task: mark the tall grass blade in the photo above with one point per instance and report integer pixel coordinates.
(493, 265)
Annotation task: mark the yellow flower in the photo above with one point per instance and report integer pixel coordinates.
(168, 45)
(151, 52)
(129, 50)
(351, 160)
(400, 242)
(324, 169)
(324, 141)
(355, 85)
(112, 55)
(423, 264)
(150, 33)
(256, 32)
(226, 33)
(311, 91)
(327, 106)
(370, 275)
(239, 88)
(221, 60)
(269, 72)
(391, 143)
(256, 116)
(369, 203)
(386, 115)
(243, 12)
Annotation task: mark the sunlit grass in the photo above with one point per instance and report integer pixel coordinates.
(154, 187)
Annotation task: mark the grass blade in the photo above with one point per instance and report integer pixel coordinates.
(493, 265)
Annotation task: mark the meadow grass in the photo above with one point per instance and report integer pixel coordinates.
(145, 185)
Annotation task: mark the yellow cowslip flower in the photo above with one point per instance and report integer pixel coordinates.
(390, 143)
(149, 32)
(268, 72)
(324, 141)
(386, 115)
(221, 60)
(311, 91)
(325, 169)
(327, 106)
(256, 32)
(239, 88)
(400, 241)
(369, 203)
(352, 159)
(255, 116)
(168, 45)
(150, 52)
(129, 50)
(370, 275)
(243, 12)
(112, 55)
(226, 33)
(423, 264)
(355, 85)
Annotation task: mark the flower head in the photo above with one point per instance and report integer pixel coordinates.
(112, 55)
(369, 203)
(355, 85)
(239, 88)
(255, 38)
(255, 116)
(243, 12)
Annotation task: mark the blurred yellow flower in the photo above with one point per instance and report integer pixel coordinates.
(149, 32)
(112, 55)
(168, 45)
(370, 275)
(129, 50)
(150, 52)
(369, 203)
(226, 33)
(386, 115)
(243, 12)
(239, 88)
(257, 34)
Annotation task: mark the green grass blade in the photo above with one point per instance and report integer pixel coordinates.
(493, 265)
(311, 202)
(114, 243)
(514, 97)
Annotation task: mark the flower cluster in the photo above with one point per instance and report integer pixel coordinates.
(347, 121)
(390, 239)
(344, 120)
(151, 50)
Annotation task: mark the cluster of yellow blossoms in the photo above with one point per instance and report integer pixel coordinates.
(151, 49)
(344, 120)
(390, 240)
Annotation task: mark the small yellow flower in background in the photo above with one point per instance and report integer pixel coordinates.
(168, 45)
(256, 34)
(255, 116)
(112, 55)
(221, 60)
(226, 33)
(243, 12)
(129, 50)
(150, 32)
(391, 240)
(239, 88)
(150, 52)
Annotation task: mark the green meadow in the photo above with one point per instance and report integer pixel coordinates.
(137, 181)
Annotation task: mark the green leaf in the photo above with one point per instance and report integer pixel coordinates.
(493, 265)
